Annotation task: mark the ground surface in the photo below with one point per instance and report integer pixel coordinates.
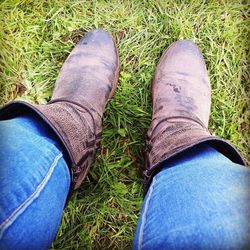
(35, 39)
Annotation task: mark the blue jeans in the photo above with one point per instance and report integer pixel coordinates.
(200, 200)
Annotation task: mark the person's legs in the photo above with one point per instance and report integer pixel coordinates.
(34, 183)
(200, 200)
(34, 178)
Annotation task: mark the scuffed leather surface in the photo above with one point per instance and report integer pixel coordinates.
(85, 83)
(181, 108)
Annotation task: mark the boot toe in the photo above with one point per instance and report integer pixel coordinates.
(185, 49)
(97, 37)
(186, 44)
(183, 58)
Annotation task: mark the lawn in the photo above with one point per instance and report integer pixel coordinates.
(36, 37)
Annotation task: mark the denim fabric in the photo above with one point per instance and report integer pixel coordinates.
(199, 201)
(34, 183)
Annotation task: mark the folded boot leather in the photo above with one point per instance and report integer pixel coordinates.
(181, 108)
(86, 82)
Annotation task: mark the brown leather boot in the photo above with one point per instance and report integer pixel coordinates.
(181, 108)
(85, 83)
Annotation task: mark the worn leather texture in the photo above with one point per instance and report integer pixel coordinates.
(86, 82)
(181, 107)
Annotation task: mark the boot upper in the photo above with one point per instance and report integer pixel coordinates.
(181, 86)
(90, 72)
(87, 80)
(181, 107)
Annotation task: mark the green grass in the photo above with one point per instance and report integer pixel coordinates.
(35, 39)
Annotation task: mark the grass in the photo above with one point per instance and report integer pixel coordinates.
(35, 39)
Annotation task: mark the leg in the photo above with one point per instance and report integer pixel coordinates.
(199, 201)
(87, 80)
(34, 184)
(34, 176)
